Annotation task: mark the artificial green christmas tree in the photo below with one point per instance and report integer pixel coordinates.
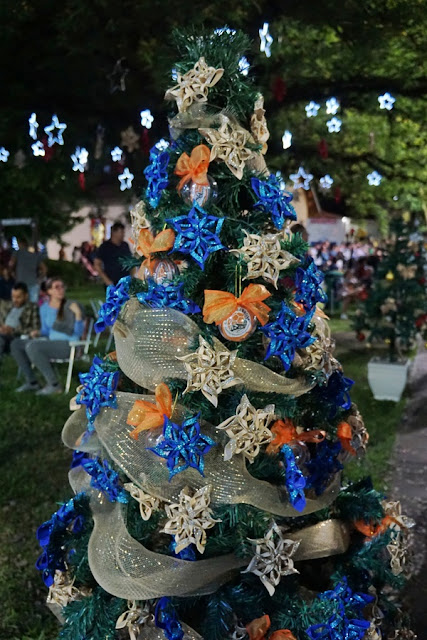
(209, 447)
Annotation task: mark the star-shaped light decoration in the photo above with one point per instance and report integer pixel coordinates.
(286, 139)
(59, 127)
(190, 518)
(147, 503)
(386, 101)
(312, 108)
(130, 139)
(194, 85)
(326, 182)
(259, 127)
(38, 148)
(264, 256)
(4, 155)
(374, 178)
(244, 66)
(118, 75)
(32, 121)
(125, 179)
(301, 179)
(332, 106)
(146, 118)
(162, 144)
(286, 334)
(229, 145)
(266, 40)
(274, 200)
(80, 158)
(334, 125)
(227, 30)
(210, 371)
(116, 154)
(247, 429)
(183, 446)
(197, 234)
(273, 558)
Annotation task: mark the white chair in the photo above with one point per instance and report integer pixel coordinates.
(79, 351)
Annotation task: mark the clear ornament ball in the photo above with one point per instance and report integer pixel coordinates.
(159, 269)
(301, 453)
(238, 326)
(154, 437)
(201, 194)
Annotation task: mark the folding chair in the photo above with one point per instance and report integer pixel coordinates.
(79, 351)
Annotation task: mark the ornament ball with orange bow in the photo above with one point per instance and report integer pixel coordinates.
(195, 185)
(159, 269)
(237, 317)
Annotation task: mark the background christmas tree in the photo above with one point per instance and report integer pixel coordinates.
(214, 508)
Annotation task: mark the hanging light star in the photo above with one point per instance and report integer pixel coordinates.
(311, 109)
(386, 101)
(4, 155)
(38, 148)
(266, 40)
(60, 127)
(162, 144)
(117, 76)
(32, 121)
(286, 139)
(244, 66)
(146, 118)
(126, 180)
(374, 178)
(116, 154)
(227, 30)
(287, 333)
(79, 158)
(334, 125)
(301, 179)
(326, 182)
(332, 106)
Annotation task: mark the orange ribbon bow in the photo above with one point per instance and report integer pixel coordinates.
(285, 432)
(194, 167)
(148, 244)
(258, 628)
(345, 435)
(370, 530)
(219, 305)
(146, 415)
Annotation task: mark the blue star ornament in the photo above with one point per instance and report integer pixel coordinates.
(59, 127)
(156, 174)
(169, 295)
(197, 234)
(125, 180)
(183, 446)
(98, 390)
(287, 333)
(308, 280)
(117, 295)
(274, 200)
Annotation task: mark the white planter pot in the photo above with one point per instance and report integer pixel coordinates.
(387, 379)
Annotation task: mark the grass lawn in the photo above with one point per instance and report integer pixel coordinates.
(34, 466)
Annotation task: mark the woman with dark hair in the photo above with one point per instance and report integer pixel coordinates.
(61, 322)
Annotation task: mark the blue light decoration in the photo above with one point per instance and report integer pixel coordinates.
(374, 178)
(336, 393)
(183, 446)
(116, 154)
(295, 480)
(116, 296)
(165, 618)
(386, 101)
(326, 182)
(332, 106)
(244, 66)
(59, 127)
(324, 465)
(38, 148)
(308, 281)
(4, 155)
(171, 295)
(146, 118)
(301, 179)
(174, 74)
(266, 40)
(162, 144)
(227, 30)
(197, 234)
(311, 109)
(334, 125)
(105, 479)
(156, 175)
(286, 139)
(287, 333)
(32, 121)
(98, 390)
(80, 158)
(126, 180)
(274, 200)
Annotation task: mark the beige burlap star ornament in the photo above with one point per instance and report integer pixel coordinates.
(247, 430)
(402, 634)
(273, 558)
(190, 518)
(138, 221)
(194, 85)
(147, 503)
(229, 145)
(130, 139)
(135, 617)
(264, 256)
(407, 272)
(63, 591)
(209, 371)
(400, 538)
(259, 127)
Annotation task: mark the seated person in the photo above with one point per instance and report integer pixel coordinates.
(61, 322)
(18, 317)
(6, 283)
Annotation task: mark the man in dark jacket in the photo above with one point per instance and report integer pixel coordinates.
(107, 261)
(18, 317)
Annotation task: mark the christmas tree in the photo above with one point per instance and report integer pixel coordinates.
(395, 309)
(209, 447)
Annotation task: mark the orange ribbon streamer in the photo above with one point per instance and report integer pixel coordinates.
(194, 167)
(282, 634)
(219, 305)
(258, 628)
(285, 432)
(370, 530)
(146, 415)
(345, 435)
(318, 312)
(148, 244)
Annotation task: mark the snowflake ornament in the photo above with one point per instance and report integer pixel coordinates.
(326, 182)
(146, 118)
(147, 503)
(229, 145)
(116, 154)
(286, 139)
(332, 106)
(38, 148)
(334, 125)
(386, 101)
(301, 179)
(125, 180)
(190, 518)
(59, 127)
(247, 430)
(4, 155)
(311, 109)
(32, 121)
(273, 558)
(266, 40)
(374, 178)
(80, 158)
(244, 66)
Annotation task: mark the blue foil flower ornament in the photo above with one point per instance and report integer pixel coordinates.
(165, 618)
(324, 465)
(287, 333)
(169, 295)
(295, 481)
(197, 234)
(274, 200)
(308, 280)
(104, 478)
(338, 629)
(98, 390)
(117, 295)
(183, 446)
(343, 594)
(156, 174)
(336, 393)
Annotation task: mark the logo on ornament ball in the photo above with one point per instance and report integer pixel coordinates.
(238, 326)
